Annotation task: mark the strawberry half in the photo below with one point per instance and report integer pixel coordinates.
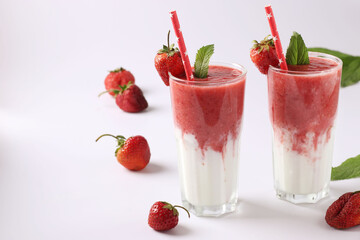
(133, 153)
(164, 216)
(263, 54)
(116, 78)
(344, 212)
(168, 59)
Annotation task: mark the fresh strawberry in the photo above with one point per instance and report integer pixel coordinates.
(129, 98)
(263, 55)
(133, 153)
(164, 216)
(118, 77)
(168, 59)
(344, 212)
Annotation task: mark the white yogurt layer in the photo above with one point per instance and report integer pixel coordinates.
(305, 173)
(208, 178)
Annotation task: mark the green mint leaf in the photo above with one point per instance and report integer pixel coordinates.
(350, 168)
(297, 53)
(202, 60)
(351, 65)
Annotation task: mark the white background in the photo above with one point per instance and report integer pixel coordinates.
(57, 183)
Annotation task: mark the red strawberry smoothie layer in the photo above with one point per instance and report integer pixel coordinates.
(210, 109)
(302, 104)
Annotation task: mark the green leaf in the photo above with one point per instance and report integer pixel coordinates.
(348, 169)
(203, 56)
(328, 51)
(351, 65)
(351, 71)
(297, 53)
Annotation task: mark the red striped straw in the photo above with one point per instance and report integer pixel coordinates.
(275, 36)
(181, 44)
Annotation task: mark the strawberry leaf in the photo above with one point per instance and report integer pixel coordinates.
(120, 69)
(124, 87)
(202, 61)
(348, 169)
(171, 208)
(297, 53)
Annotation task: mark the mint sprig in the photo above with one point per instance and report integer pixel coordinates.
(351, 65)
(202, 61)
(350, 168)
(297, 53)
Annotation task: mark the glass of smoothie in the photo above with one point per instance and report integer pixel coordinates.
(303, 104)
(207, 116)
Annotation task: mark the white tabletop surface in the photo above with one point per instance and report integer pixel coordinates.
(57, 183)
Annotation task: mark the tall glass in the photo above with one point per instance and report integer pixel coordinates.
(303, 105)
(207, 116)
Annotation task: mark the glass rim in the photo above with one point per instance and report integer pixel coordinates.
(311, 54)
(214, 82)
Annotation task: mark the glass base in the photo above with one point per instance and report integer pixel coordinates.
(299, 198)
(210, 211)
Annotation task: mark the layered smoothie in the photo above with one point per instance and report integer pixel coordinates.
(303, 104)
(207, 116)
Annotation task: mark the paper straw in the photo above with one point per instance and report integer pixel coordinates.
(276, 38)
(181, 44)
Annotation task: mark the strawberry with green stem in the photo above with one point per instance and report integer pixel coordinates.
(164, 216)
(133, 153)
(263, 54)
(168, 59)
(129, 98)
(116, 78)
